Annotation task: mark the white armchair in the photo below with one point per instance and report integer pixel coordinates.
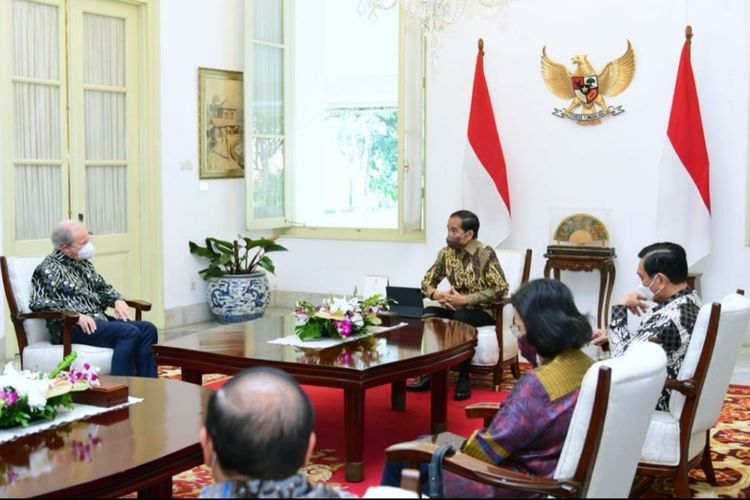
(679, 438)
(34, 344)
(604, 440)
(497, 347)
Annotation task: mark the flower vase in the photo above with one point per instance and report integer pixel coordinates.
(238, 297)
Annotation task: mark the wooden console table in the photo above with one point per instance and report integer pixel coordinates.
(604, 263)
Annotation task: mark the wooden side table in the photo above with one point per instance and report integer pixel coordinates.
(604, 263)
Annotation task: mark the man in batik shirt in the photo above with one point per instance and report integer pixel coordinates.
(663, 273)
(66, 280)
(476, 279)
(258, 433)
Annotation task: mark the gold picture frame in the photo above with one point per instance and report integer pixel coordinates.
(221, 134)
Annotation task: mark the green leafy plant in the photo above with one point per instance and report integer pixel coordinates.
(241, 256)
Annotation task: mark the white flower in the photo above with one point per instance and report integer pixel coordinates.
(357, 320)
(341, 305)
(26, 383)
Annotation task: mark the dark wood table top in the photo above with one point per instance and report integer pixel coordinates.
(114, 453)
(230, 348)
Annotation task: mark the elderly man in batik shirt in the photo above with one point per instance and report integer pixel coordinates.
(66, 280)
(663, 273)
(476, 280)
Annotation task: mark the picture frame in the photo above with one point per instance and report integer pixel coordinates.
(221, 111)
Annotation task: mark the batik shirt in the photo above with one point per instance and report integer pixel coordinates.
(473, 271)
(528, 432)
(296, 486)
(670, 324)
(61, 283)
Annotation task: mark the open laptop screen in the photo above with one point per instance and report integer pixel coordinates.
(408, 301)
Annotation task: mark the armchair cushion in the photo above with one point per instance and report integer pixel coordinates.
(20, 270)
(487, 353)
(662, 445)
(44, 356)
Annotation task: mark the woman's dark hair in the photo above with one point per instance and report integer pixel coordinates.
(552, 320)
(666, 258)
(469, 220)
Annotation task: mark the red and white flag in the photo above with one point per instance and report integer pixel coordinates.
(485, 180)
(684, 209)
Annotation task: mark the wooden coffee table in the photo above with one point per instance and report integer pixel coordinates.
(139, 447)
(431, 346)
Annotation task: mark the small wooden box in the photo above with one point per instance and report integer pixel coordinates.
(108, 394)
(389, 318)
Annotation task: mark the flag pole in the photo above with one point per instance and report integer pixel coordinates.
(481, 46)
(689, 33)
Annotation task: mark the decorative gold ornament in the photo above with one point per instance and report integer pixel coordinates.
(586, 88)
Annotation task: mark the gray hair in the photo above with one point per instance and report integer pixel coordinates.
(62, 234)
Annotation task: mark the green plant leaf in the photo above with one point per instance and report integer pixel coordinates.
(266, 264)
(308, 331)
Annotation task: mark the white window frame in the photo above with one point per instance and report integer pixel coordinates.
(411, 134)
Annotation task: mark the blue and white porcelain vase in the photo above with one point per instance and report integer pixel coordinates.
(238, 297)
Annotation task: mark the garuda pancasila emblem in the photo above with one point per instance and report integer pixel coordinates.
(586, 88)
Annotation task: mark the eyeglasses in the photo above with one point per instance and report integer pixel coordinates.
(515, 330)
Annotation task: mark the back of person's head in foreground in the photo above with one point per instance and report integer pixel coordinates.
(550, 317)
(258, 426)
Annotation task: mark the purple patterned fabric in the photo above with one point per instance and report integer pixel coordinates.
(527, 433)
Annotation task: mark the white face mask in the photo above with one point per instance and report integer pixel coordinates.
(646, 291)
(87, 251)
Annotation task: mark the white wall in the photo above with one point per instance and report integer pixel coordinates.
(194, 33)
(552, 163)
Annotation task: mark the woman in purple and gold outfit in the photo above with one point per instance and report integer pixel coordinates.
(528, 431)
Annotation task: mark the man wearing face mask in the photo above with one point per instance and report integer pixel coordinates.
(663, 273)
(476, 279)
(66, 280)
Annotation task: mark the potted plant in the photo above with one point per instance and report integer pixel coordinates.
(236, 276)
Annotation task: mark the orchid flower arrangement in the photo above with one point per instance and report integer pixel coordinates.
(338, 317)
(27, 395)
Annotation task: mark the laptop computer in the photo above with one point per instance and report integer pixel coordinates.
(408, 301)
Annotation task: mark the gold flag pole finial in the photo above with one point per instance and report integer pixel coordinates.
(481, 46)
(689, 33)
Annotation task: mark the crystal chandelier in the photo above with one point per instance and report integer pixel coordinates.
(431, 15)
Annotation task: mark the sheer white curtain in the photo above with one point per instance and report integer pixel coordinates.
(413, 109)
(267, 126)
(105, 131)
(37, 126)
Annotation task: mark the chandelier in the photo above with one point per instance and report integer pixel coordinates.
(432, 15)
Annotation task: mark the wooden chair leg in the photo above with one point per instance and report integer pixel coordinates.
(681, 482)
(515, 369)
(497, 376)
(706, 463)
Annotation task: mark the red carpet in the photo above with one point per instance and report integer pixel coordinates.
(383, 427)
(730, 440)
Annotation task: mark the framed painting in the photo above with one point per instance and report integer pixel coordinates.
(221, 123)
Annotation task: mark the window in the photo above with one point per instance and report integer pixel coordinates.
(335, 121)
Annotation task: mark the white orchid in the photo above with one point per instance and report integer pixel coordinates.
(32, 385)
